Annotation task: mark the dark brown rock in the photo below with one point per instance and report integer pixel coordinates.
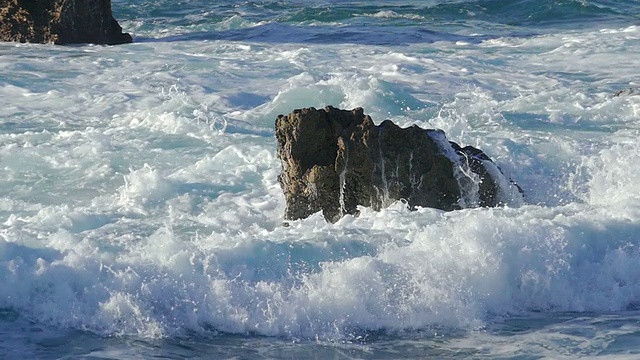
(336, 160)
(60, 22)
(627, 92)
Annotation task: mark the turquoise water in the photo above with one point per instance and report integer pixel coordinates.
(141, 217)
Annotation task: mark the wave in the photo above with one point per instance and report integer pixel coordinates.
(393, 270)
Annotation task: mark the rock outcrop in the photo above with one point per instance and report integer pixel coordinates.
(335, 160)
(60, 22)
(627, 92)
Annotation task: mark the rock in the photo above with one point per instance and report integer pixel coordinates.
(60, 22)
(336, 160)
(627, 92)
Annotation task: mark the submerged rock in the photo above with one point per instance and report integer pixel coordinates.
(627, 92)
(60, 22)
(335, 160)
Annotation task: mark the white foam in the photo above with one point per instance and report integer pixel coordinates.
(468, 181)
(612, 175)
(394, 15)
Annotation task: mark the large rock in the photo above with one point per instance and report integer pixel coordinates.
(334, 160)
(60, 22)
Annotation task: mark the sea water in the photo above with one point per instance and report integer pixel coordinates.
(141, 216)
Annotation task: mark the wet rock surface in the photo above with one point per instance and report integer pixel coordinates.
(627, 92)
(336, 160)
(60, 22)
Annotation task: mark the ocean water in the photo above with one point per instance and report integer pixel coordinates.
(141, 217)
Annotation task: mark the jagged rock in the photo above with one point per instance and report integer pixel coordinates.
(335, 160)
(60, 22)
(627, 92)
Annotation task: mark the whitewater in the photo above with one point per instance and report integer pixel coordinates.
(141, 215)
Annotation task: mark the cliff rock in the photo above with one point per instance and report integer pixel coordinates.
(60, 22)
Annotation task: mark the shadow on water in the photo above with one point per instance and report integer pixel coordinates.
(278, 33)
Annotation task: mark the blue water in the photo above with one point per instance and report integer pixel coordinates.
(141, 216)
